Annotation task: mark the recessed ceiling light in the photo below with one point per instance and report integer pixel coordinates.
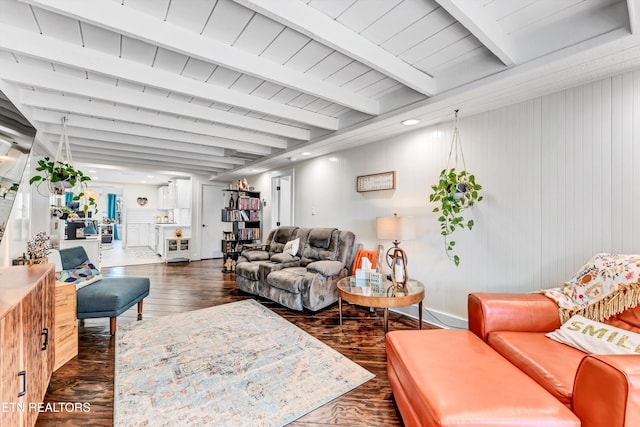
(306, 153)
(410, 122)
(333, 159)
(149, 176)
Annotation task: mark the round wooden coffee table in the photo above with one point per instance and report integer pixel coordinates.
(365, 296)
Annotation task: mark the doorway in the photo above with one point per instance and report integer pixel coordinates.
(212, 205)
(282, 199)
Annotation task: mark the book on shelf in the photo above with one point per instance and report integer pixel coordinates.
(240, 215)
(248, 203)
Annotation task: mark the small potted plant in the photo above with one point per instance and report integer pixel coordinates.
(455, 192)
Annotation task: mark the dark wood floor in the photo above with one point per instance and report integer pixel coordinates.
(181, 287)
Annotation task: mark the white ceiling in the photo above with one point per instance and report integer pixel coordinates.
(227, 88)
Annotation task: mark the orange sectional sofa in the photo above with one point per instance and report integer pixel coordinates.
(505, 371)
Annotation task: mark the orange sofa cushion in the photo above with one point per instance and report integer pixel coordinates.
(452, 377)
(549, 363)
(628, 319)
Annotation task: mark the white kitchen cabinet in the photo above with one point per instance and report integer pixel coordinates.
(160, 241)
(177, 249)
(143, 238)
(151, 238)
(166, 231)
(166, 199)
(137, 234)
(177, 194)
(133, 231)
(156, 239)
(182, 193)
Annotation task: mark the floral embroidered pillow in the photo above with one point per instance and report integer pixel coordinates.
(601, 276)
(83, 275)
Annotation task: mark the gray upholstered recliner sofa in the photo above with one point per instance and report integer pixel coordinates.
(249, 261)
(304, 280)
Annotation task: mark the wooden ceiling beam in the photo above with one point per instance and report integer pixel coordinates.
(321, 28)
(100, 129)
(634, 11)
(132, 23)
(153, 125)
(47, 49)
(142, 151)
(32, 77)
(484, 27)
(106, 152)
(90, 156)
(72, 55)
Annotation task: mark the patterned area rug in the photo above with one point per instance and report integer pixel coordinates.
(236, 364)
(117, 256)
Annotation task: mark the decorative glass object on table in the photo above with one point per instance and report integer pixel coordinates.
(396, 228)
(374, 283)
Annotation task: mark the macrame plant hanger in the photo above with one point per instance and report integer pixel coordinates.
(63, 158)
(456, 146)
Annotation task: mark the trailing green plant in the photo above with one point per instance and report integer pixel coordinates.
(58, 173)
(87, 202)
(61, 177)
(455, 192)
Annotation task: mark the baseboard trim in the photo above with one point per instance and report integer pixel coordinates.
(434, 317)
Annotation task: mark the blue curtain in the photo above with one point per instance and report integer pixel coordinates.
(111, 213)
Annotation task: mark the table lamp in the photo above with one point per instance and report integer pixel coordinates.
(396, 228)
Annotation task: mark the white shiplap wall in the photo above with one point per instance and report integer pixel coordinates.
(560, 184)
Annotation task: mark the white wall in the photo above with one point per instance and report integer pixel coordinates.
(561, 177)
(22, 223)
(131, 192)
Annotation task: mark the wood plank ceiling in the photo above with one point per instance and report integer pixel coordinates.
(226, 88)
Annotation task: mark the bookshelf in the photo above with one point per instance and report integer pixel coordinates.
(242, 224)
(106, 233)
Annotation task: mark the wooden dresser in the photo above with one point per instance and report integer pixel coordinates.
(27, 341)
(66, 325)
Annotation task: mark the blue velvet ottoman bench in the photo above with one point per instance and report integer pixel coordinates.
(106, 297)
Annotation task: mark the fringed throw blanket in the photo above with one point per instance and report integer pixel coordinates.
(606, 285)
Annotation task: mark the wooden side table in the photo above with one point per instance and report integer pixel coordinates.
(364, 295)
(66, 324)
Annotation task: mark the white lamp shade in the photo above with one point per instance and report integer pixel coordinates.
(91, 193)
(395, 228)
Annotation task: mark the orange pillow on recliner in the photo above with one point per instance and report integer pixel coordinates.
(363, 253)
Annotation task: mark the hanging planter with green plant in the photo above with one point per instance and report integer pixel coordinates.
(61, 176)
(455, 192)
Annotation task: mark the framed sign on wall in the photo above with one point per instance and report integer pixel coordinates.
(376, 182)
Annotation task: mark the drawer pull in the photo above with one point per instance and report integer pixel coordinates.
(45, 332)
(23, 374)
